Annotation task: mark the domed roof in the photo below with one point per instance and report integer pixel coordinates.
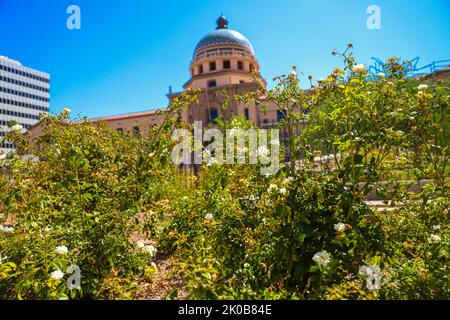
(224, 36)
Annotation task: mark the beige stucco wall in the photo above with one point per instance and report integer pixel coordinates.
(128, 123)
(219, 65)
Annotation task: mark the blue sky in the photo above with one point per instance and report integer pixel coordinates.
(128, 53)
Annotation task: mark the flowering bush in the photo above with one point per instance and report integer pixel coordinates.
(77, 202)
(309, 232)
(111, 204)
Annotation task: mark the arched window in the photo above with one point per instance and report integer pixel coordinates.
(212, 84)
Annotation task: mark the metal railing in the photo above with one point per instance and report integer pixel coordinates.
(413, 70)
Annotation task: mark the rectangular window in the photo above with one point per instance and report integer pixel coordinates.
(247, 114)
(212, 66)
(280, 115)
(200, 69)
(226, 64)
(120, 130)
(240, 65)
(136, 130)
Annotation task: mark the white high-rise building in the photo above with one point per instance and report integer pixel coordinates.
(24, 94)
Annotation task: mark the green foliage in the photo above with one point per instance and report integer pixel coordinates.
(244, 236)
(307, 232)
(84, 188)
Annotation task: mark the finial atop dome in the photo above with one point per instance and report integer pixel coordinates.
(222, 22)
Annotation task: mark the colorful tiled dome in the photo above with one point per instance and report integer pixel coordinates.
(223, 36)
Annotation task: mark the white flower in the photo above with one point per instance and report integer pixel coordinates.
(437, 227)
(2, 156)
(209, 216)
(381, 74)
(369, 270)
(16, 128)
(211, 161)
(2, 258)
(6, 229)
(154, 266)
(150, 250)
(339, 227)
(420, 93)
(67, 110)
(272, 187)
(422, 87)
(434, 238)
(293, 73)
(262, 151)
(140, 245)
(359, 68)
(283, 191)
(322, 258)
(207, 153)
(363, 270)
(61, 249)
(57, 275)
(288, 180)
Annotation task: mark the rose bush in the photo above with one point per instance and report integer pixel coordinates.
(78, 201)
(308, 232)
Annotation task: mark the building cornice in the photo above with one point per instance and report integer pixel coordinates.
(221, 73)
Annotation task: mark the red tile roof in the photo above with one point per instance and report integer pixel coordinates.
(126, 115)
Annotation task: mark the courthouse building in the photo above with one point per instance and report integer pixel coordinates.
(221, 66)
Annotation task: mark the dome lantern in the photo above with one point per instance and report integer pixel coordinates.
(225, 37)
(222, 23)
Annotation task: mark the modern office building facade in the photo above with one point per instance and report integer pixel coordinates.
(24, 95)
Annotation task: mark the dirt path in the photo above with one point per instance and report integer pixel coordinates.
(165, 282)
